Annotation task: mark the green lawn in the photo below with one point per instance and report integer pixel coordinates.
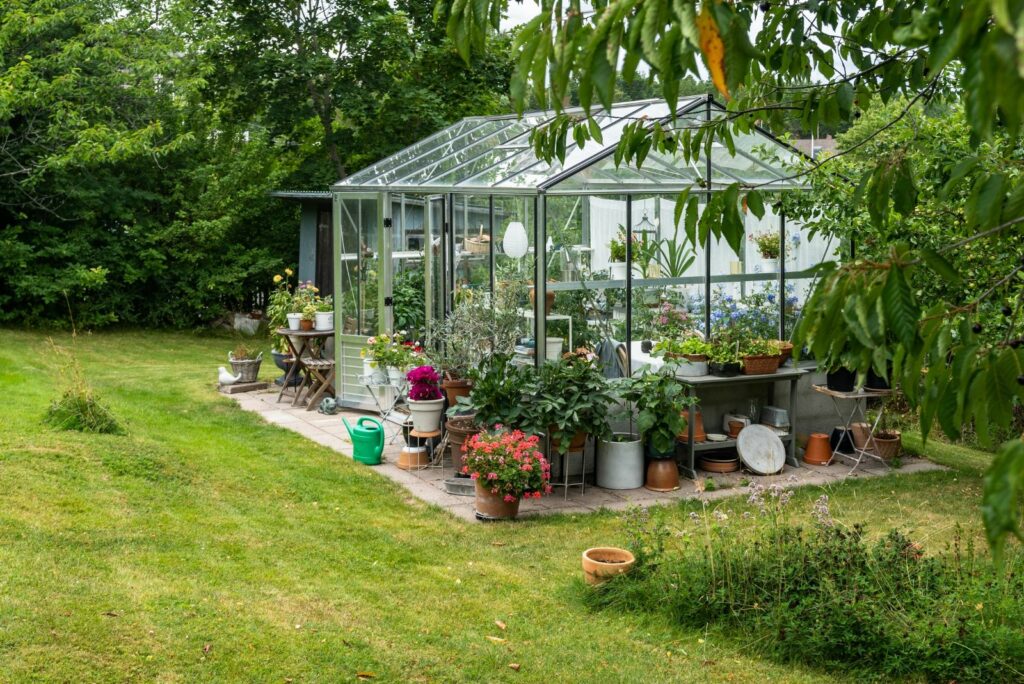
(205, 545)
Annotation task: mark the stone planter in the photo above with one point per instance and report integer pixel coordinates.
(617, 270)
(489, 506)
(426, 414)
(324, 320)
(247, 370)
(620, 465)
(553, 349)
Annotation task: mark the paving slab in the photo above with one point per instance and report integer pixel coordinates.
(427, 485)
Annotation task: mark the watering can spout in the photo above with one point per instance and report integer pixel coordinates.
(349, 428)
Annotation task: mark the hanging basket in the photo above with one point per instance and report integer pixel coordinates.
(761, 365)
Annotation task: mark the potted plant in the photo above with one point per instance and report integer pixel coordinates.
(506, 466)
(496, 399)
(620, 461)
(617, 256)
(690, 355)
(324, 314)
(245, 362)
(279, 304)
(660, 400)
(308, 317)
(425, 399)
(571, 400)
(769, 246)
(724, 359)
(760, 356)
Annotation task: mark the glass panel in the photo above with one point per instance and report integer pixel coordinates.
(472, 235)
(455, 157)
(745, 287)
(408, 289)
(436, 211)
(668, 276)
(360, 265)
(514, 267)
(589, 307)
(371, 173)
(803, 254)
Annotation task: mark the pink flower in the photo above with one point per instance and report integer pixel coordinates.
(509, 498)
(474, 475)
(492, 476)
(547, 489)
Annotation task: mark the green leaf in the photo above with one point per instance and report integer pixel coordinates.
(901, 312)
(904, 192)
(1002, 496)
(940, 265)
(962, 168)
(985, 204)
(755, 203)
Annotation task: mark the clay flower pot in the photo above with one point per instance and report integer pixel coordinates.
(698, 428)
(579, 440)
(490, 506)
(662, 475)
(455, 389)
(860, 435)
(818, 451)
(306, 324)
(887, 444)
(604, 562)
(460, 429)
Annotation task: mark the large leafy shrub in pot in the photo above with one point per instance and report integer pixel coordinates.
(498, 392)
(660, 400)
(571, 396)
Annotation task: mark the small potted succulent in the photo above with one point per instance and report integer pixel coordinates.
(506, 467)
(425, 399)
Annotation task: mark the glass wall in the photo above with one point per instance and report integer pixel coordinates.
(515, 257)
(360, 266)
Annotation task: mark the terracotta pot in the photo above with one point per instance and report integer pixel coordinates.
(604, 562)
(698, 428)
(734, 428)
(460, 429)
(887, 444)
(860, 434)
(718, 465)
(662, 475)
(455, 389)
(413, 458)
(491, 506)
(818, 451)
(549, 299)
(579, 440)
(305, 325)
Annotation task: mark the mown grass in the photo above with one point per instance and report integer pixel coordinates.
(206, 545)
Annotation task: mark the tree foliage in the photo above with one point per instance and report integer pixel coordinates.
(139, 141)
(826, 62)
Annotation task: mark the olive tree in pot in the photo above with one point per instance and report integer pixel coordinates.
(660, 400)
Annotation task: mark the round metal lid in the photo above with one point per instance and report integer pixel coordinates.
(761, 450)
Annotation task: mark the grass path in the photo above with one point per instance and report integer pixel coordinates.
(206, 545)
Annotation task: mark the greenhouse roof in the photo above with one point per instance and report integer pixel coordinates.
(492, 154)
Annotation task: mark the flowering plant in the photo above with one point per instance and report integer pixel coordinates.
(617, 247)
(508, 463)
(769, 245)
(391, 351)
(279, 305)
(424, 384)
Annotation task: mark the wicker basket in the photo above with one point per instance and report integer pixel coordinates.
(247, 369)
(887, 448)
(481, 244)
(785, 351)
(761, 365)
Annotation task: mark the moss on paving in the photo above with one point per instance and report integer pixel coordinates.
(204, 544)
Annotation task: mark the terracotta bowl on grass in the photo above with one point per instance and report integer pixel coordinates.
(601, 563)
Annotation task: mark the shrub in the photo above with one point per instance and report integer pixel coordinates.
(78, 407)
(826, 596)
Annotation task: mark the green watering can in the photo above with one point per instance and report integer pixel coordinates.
(367, 440)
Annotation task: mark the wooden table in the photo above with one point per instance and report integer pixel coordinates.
(304, 345)
(695, 384)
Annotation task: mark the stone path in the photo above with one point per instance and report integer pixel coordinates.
(428, 484)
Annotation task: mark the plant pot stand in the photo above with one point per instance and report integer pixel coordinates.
(857, 413)
(564, 466)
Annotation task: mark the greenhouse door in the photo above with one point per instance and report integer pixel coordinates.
(361, 256)
(436, 253)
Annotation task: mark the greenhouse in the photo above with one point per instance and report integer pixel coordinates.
(471, 213)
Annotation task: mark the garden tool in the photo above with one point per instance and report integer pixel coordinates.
(367, 440)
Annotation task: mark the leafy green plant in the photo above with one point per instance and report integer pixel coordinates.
(674, 257)
(499, 393)
(759, 347)
(688, 346)
(725, 351)
(78, 408)
(570, 396)
(660, 400)
(471, 332)
(769, 245)
(617, 247)
(409, 297)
